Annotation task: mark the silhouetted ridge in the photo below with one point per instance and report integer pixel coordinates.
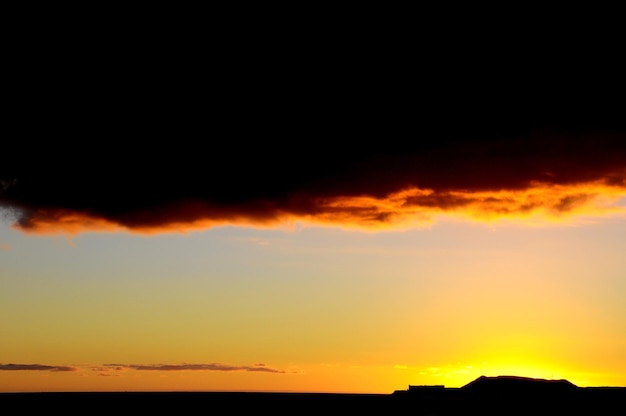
(503, 395)
(518, 385)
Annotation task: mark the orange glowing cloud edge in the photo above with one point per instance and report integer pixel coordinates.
(539, 204)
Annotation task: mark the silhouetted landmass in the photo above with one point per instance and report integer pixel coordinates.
(502, 395)
(507, 395)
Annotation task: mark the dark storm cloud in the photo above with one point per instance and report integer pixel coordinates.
(177, 185)
(276, 131)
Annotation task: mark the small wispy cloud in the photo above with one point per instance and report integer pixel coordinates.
(190, 367)
(111, 369)
(204, 367)
(258, 241)
(36, 367)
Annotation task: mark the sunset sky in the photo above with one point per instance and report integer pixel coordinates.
(308, 228)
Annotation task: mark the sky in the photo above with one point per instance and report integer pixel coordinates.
(314, 224)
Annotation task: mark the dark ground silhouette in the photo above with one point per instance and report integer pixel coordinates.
(503, 395)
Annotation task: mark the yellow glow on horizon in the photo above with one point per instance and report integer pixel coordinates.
(320, 378)
(459, 374)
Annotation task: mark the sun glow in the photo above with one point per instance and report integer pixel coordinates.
(460, 374)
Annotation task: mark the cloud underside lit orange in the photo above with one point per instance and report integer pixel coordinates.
(540, 203)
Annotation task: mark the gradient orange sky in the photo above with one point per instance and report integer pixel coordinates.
(314, 308)
(293, 214)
